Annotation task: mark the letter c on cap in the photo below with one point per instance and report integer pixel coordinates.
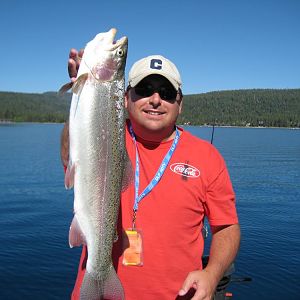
(156, 64)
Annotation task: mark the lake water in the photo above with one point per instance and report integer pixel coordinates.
(35, 211)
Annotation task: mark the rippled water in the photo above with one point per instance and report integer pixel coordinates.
(264, 165)
(36, 210)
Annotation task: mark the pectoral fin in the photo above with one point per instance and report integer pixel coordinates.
(69, 176)
(76, 237)
(79, 83)
(65, 88)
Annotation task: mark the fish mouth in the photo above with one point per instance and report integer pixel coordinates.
(116, 43)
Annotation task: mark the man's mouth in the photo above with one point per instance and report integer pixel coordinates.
(153, 113)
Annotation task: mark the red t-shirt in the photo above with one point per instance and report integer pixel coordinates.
(195, 184)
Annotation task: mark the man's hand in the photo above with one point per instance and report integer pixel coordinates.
(223, 249)
(64, 145)
(74, 63)
(203, 282)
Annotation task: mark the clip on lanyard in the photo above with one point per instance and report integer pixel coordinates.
(157, 176)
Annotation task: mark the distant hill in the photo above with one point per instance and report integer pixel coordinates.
(255, 107)
(46, 107)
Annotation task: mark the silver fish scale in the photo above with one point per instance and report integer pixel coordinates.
(98, 154)
(99, 168)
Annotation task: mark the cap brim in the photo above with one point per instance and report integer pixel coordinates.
(139, 78)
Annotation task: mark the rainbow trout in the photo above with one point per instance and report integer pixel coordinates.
(97, 160)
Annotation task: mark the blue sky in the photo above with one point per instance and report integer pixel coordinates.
(216, 44)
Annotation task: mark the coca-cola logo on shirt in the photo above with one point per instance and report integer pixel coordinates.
(185, 170)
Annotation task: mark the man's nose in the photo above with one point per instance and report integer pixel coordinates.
(155, 99)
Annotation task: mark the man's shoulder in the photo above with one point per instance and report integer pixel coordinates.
(188, 137)
(196, 145)
(202, 154)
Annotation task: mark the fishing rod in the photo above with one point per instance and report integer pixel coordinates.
(213, 132)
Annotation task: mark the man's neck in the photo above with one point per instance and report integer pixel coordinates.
(161, 136)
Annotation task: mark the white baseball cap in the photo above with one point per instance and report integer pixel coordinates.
(154, 64)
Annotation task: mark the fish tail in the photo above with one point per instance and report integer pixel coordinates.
(99, 288)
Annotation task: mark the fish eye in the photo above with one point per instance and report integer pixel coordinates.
(120, 52)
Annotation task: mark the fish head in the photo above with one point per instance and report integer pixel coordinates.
(104, 57)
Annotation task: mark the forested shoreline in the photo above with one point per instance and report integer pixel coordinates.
(254, 107)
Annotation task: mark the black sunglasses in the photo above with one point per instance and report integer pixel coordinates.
(147, 90)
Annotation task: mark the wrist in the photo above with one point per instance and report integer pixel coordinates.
(214, 276)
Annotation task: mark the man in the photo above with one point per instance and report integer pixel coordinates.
(168, 220)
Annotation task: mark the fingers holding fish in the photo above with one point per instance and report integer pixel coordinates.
(74, 62)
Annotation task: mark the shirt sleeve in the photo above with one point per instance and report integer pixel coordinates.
(220, 205)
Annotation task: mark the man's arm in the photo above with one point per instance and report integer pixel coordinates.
(73, 66)
(224, 247)
(64, 145)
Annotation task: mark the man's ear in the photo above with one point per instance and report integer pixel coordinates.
(180, 104)
(126, 99)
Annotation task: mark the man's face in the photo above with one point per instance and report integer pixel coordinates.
(153, 106)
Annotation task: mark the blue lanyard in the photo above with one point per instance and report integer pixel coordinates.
(158, 174)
